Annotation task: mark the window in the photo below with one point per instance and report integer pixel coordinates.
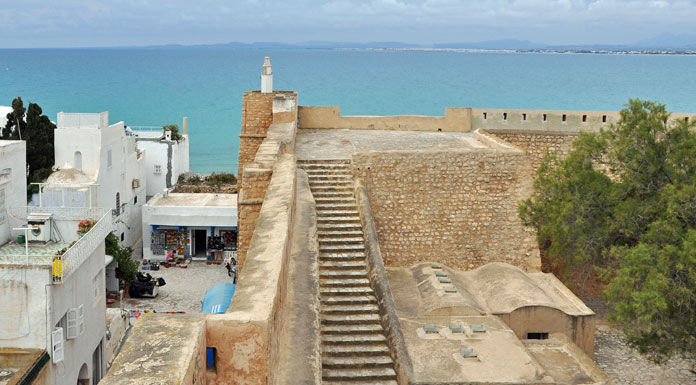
(686, 120)
(537, 336)
(524, 117)
(135, 200)
(504, 115)
(108, 159)
(63, 324)
(563, 118)
(57, 340)
(78, 160)
(158, 169)
(604, 118)
(543, 117)
(485, 115)
(584, 118)
(123, 237)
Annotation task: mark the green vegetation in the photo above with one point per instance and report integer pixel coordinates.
(127, 268)
(220, 179)
(37, 130)
(174, 128)
(623, 203)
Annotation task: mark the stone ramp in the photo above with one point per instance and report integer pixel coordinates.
(354, 348)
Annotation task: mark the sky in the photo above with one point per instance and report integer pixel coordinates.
(101, 23)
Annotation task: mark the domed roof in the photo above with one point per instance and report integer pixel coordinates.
(69, 177)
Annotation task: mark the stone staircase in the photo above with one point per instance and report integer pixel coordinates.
(354, 349)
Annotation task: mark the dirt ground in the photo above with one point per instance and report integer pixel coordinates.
(184, 289)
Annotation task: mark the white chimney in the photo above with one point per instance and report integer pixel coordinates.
(266, 76)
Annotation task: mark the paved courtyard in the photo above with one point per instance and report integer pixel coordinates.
(184, 290)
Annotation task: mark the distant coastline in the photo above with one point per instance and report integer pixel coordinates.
(543, 51)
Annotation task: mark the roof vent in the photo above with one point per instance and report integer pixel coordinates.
(444, 280)
(456, 328)
(430, 329)
(478, 328)
(468, 353)
(450, 289)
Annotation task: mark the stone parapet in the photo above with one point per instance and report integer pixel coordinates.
(246, 338)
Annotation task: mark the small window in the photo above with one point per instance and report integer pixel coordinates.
(439, 130)
(604, 118)
(135, 200)
(108, 159)
(563, 118)
(158, 169)
(504, 115)
(485, 116)
(584, 118)
(524, 117)
(686, 119)
(63, 324)
(537, 336)
(123, 237)
(543, 117)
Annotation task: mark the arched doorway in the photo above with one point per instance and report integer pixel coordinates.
(83, 376)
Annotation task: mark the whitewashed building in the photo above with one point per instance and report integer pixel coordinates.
(166, 158)
(52, 290)
(13, 183)
(184, 223)
(98, 165)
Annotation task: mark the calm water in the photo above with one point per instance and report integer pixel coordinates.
(151, 87)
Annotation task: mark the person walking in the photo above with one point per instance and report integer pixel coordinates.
(234, 271)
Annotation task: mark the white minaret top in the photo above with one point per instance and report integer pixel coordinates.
(266, 76)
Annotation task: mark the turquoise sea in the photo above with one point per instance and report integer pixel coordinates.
(151, 87)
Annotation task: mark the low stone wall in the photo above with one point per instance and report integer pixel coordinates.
(380, 284)
(300, 360)
(455, 120)
(537, 143)
(454, 207)
(162, 349)
(247, 338)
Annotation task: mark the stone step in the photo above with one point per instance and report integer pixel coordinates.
(331, 182)
(366, 339)
(357, 362)
(340, 233)
(329, 189)
(339, 249)
(343, 282)
(347, 291)
(327, 167)
(358, 273)
(349, 319)
(349, 199)
(337, 220)
(337, 213)
(348, 299)
(351, 382)
(339, 226)
(337, 206)
(333, 194)
(350, 309)
(324, 239)
(355, 349)
(351, 329)
(369, 374)
(339, 265)
(317, 172)
(336, 257)
(324, 161)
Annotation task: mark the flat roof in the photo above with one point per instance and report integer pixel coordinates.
(342, 143)
(40, 254)
(4, 142)
(194, 200)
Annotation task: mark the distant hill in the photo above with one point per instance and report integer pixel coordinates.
(662, 42)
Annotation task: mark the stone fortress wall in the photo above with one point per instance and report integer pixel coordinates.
(459, 207)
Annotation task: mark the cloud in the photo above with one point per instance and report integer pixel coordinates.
(142, 22)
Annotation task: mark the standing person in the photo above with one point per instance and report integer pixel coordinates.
(228, 266)
(234, 271)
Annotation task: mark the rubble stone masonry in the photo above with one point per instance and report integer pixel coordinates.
(257, 116)
(454, 207)
(537, 143)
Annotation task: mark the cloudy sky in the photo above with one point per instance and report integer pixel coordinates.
(75, 23)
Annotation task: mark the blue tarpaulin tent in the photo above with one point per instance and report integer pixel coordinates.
(217, 298)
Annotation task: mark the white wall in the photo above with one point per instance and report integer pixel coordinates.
(13, 184)
(23, 298)
(85, 286)
(110, 158)
(157, 154)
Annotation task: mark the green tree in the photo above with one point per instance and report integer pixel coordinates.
(30, 125)
(127, 268)
(174, 128)
(624, 202)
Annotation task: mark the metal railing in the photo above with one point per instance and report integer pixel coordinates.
(64, 265)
